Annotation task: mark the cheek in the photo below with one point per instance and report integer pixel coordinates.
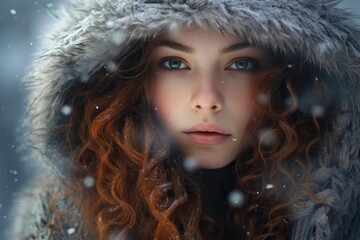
(244, 111)
(164, 102)
(243, 103)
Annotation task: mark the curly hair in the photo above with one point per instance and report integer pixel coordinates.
(141, 189)
(291, 102)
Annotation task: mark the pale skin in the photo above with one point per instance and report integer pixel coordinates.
(202, 92)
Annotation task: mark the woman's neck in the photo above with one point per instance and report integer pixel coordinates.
(215, 184)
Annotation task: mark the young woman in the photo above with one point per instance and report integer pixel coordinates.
(195, 120)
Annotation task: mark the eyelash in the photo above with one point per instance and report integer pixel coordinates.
(253, 64)
(166, 60)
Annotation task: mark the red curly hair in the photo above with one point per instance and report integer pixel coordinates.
(141, 189)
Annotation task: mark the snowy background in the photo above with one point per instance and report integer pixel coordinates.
(21, 24)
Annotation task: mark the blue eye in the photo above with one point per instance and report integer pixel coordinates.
(173, 63)
(243, 65)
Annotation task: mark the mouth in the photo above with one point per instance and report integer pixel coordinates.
(207, 134)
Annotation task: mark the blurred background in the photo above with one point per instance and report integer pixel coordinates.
(22, 23)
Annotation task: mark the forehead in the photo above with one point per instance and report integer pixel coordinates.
(194, 33)
(206, 41)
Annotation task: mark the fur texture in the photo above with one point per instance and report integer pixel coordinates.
(90, 34)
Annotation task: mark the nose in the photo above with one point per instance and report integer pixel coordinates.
(207, 95)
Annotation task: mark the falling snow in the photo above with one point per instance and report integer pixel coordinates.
(174, 27)
(89, 182)
(110, 24)
(266, 137)
(111, 67)
(190, 164)
(236, 198)
(66, 110)
(118, 37)
(71, 231)
(317, 111)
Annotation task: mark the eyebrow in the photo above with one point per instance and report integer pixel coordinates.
(187, 49)
(235, 47)
(175, 45)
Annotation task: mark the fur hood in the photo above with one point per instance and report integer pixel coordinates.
(91, 34)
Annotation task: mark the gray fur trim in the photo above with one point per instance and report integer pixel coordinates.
(34, 219)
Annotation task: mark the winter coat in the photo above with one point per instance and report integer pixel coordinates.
(91, 33)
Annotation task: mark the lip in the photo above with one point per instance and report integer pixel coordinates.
(207, 134)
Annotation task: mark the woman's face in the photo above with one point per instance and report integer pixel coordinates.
(202, 92)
